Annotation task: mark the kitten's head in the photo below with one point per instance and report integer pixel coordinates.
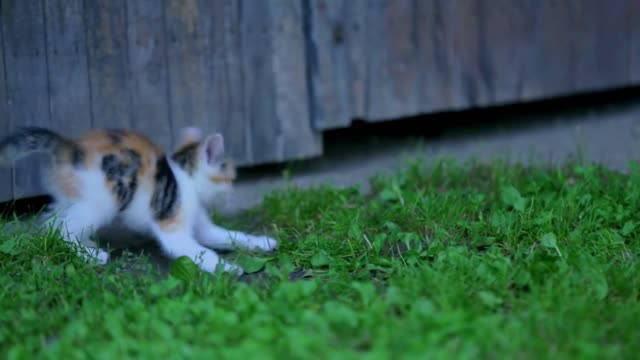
(204, 159)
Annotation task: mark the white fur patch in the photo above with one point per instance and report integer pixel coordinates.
(191, 134)
(191, 235)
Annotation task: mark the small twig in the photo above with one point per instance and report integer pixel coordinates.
(400, 254)
(367, 240)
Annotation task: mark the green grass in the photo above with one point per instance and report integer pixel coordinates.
(450, 261)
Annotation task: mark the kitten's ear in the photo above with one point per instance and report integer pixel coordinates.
(190, 134)
(214, 148)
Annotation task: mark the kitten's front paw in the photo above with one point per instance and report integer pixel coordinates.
(263, 243)
(102, 257)
(222, 265)
(233, 268)
(97, 256)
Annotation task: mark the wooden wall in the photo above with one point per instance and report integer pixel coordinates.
(237, 67)
(382, 59)
(272, 75)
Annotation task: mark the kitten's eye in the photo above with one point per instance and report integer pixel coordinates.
(223, 165)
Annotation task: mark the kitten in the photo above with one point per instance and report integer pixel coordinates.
(109, 175)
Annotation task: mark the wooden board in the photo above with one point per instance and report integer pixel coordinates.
(584, 45)
(6, 173)
(227, 79)
(296, 140)
(147, 65)
(547, 51)
(259, 97)
(188, 28)
(602, 44)
(434, 55)
(391, 59)
(107, 44)
(327, 58)
(67, 62)
(26, 80)
(634, 49)
(504, 38)
(355, 34)
(460, 41)
(613, 34)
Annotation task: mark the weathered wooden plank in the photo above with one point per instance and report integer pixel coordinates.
(470, 86)
(548, 52)
(504, 37)
(259, 97)
(585, 65)
(604, 42)
(26, 79)
(355, 38)
(613, 41)
(434, 55)
(227, 78)
(69, 99)
(297, 139)
(148, 71)
(452, 56)
(6, 174)
(337, 52)
(106, 37)
(188, 27)
(392, 66)
(275, 84)
(634, 50)
(328, 43)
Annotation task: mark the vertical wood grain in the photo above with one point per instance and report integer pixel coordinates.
(504, 39)
(146, 51)
(106, 37)
(355, 34)
(391, 56)
(227, 79)
(434, 55)
(297, 139)
(555, 43)
(6, 173)
(188, 29)
(259, 97)
(67, 64)
(613, 35)
(584, 65)
(23, 29)
(327, 46)
(634, 50)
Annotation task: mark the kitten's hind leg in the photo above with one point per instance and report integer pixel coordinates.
(77, 222)
(217, 237)
(177, 242)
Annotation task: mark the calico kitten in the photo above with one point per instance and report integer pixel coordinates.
(109, 175)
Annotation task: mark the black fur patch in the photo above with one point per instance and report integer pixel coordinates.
(77, 156)
(187, 157)
(33, 139)
(115, 136)
(164, 202)
(122, 169)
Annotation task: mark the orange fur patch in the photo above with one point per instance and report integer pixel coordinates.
(68, 182)
(222, 179)
(172, 223)
(98, 142)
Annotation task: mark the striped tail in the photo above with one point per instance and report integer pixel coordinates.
(30, 140)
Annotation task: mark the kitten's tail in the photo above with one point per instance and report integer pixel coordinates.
(30, 140)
